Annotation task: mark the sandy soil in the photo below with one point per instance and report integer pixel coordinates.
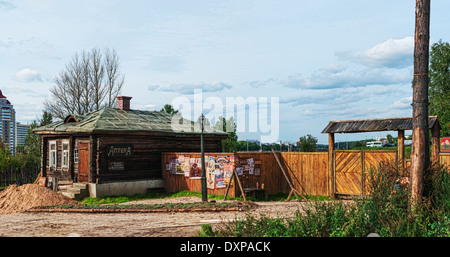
(130, 224)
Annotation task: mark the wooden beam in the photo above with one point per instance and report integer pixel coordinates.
(401, 149)
(435, 134)
(331, 171)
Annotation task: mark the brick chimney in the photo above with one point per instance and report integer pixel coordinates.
(124, 102)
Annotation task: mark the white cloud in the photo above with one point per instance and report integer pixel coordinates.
(404, 103)
(28, 75)
(189, 88)
(392, 53)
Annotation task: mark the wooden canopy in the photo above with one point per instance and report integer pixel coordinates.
(373, 125)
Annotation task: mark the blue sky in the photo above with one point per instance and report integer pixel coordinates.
(325, 60)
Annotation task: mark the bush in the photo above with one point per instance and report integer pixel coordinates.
(386, 212)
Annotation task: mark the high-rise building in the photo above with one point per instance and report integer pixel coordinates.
(21, 133)
(7, 123)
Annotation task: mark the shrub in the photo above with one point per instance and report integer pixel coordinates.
(385, 212)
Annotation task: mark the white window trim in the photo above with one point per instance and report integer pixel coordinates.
(65, 152)
(53, 163)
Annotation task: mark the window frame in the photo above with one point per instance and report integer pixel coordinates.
(53, 154)
(65, 155)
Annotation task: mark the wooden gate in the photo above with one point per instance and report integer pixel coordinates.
(348, 167)
(352, 169)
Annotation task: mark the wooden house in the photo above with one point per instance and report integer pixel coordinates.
(117, 148)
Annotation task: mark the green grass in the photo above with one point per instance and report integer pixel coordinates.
(146, 206)
(123, 199)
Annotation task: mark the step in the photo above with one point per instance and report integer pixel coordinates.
(76, 191)
(70, 195)
(79, 185)
(64, 188)
(65, 182)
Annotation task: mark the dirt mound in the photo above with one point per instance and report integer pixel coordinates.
(20, 198)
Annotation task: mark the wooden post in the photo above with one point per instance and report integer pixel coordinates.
(435, 134)
(420, 145)
(229, 185)
(239, 183)
(287, 179)
(44, 154)
(401, 149)
(331, 172)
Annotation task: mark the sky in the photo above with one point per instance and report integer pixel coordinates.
(321, 60)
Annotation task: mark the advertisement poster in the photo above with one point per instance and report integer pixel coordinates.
(210, 177)
(240, 171)
(219, 178)
(227, 170)
(196, 171)
(186, 166)
(445, 144)
(179, 166)
(257, 172)
(173, 166)
(251, 167)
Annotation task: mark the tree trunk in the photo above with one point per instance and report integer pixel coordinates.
(420, 146)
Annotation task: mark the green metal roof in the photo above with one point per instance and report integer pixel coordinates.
(118, 120)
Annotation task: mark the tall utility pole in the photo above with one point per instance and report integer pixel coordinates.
(420, 146)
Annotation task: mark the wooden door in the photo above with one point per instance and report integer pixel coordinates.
(83, 161)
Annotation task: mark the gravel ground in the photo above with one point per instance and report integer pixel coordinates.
(176, 224)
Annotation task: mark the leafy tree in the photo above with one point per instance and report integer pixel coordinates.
(230, 144)
(307, 143)
(439, 84)
(168, 108)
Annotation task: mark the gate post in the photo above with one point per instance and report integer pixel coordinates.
(401, 149)
(331, 170)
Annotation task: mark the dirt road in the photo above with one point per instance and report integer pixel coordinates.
(178, 224)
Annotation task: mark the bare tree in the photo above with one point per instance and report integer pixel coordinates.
(89, 82)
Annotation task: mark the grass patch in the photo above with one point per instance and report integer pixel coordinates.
(170, 206)
(123, 198)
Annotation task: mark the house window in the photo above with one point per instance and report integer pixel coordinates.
(52, 152)
(75, 155)
(65, 155)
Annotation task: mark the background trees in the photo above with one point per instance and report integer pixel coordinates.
(439, 84)
(90, 81)
(307, 143)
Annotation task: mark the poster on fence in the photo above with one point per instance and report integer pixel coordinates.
(227, 171)
(251, 166)
(210, 176)
(445, 144)
(173, 166)
(219, 178)
(186, 166)
(196, 171)
(240, 171)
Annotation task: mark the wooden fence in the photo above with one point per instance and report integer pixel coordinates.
(309, 172)
(444, 159)
(19, 176)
